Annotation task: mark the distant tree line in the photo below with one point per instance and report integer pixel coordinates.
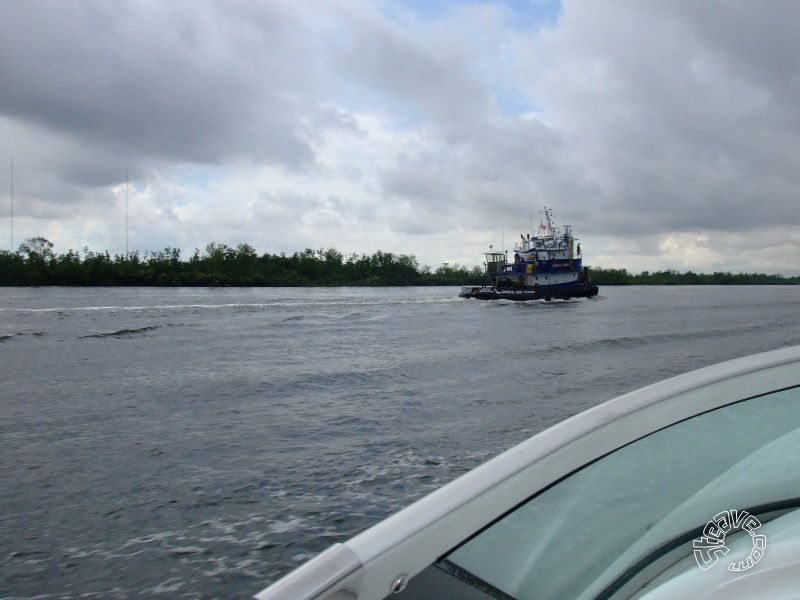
(35, 263)
(672, 277)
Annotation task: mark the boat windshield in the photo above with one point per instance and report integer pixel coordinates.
(591, 532)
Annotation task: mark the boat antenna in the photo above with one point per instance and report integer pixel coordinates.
(530, 215)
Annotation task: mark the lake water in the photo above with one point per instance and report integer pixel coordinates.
(199, 443)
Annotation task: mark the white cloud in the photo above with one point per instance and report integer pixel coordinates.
(666, 134)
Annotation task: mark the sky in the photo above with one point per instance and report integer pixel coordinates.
(667, 133)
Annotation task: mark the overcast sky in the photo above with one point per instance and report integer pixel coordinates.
(667, 133)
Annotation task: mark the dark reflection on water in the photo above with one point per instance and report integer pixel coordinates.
(200, 443)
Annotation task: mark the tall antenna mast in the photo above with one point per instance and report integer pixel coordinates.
(12, 205)
(530, 214)
(126, 213)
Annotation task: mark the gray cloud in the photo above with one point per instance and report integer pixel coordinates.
(680, 110)
(180, 81)
(643, 119)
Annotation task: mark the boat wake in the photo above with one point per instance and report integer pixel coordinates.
(122, 333)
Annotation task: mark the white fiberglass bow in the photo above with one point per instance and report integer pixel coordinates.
(608, 503)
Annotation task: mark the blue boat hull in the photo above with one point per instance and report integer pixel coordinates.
(580, 289)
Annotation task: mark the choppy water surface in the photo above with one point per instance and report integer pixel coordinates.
(195, 443)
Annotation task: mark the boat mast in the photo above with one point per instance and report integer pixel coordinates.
(548, 215)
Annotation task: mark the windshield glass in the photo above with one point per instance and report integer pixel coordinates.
(581, 534)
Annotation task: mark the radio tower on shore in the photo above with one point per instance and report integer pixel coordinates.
(126, 213)
(12, 205)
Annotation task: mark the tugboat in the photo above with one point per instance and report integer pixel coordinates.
(545, 267)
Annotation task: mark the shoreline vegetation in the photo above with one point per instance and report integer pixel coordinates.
(36, 264)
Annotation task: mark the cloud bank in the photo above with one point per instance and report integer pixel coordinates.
(666, 133)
